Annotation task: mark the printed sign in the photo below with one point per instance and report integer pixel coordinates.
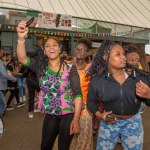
(59, 21)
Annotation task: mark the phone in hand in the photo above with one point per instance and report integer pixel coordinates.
(110, 117)
(28, 23)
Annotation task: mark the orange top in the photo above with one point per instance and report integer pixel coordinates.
(84, 82)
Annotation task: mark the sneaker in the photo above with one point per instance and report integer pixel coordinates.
(24, 98)
(20, 105)
(30, 115)
(9, 107)
(20, 99)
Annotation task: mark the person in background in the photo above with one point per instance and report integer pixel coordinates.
(132, 57)
(33, 90)
(7, 58)
(33, 87)
(40, 42)
(4, 76)
(84, 139)
(60, 93)
(12, 86)
(21, 82)
(64, 55)
(120, 95)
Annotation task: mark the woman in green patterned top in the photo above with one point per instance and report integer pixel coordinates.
(60, 93)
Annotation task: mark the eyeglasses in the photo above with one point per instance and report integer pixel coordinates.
(81, 49)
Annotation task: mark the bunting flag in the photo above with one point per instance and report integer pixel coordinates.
(63, 33)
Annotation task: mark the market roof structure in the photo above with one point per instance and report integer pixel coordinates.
(128, 12)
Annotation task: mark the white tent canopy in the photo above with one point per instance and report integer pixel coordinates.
(128, 12)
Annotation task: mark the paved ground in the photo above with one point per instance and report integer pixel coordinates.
(25, 134)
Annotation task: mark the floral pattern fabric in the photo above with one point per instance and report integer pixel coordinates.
(55, 96)
(130, 130)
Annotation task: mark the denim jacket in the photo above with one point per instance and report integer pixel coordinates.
(4, 76)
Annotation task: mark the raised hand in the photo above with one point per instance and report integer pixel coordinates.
(22, 30)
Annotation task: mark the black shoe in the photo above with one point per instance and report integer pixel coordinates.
(20, 105)
(9, 107)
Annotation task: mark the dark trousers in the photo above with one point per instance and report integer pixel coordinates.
(32, 87)
(53, 126)
(14, 92)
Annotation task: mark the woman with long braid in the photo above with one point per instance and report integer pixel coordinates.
(121, 94)
(60, 93)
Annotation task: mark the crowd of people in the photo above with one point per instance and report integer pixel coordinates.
(71, 92)
(15, 79)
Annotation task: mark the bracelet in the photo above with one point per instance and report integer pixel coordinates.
(20, 41)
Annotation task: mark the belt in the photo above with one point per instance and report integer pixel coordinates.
(121, 117)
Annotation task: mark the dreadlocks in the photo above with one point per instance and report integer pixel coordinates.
(100, 62)
(100, 65)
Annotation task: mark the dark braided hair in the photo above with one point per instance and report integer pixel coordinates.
(42, 60)
(100, 65)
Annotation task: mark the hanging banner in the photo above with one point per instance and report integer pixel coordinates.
(16, 17)
(63, 22)
(47, 20)
(56, 21)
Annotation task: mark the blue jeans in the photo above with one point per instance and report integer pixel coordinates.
(130, 130)
(2, 103)
(21, 86)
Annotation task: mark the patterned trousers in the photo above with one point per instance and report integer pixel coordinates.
(130, 131)
(84, 139)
